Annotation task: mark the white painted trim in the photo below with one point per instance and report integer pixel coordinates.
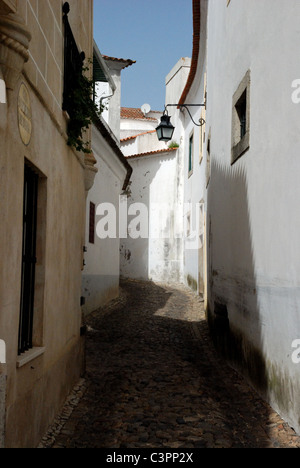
(2, 91)
(29, 356)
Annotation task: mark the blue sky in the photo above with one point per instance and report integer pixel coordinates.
(155, 33)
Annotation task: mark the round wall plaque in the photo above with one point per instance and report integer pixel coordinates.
(24, 115)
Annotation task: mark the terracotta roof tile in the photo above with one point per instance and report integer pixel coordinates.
(167, 150)
(132, 113)
(127, 62)
(133, 137)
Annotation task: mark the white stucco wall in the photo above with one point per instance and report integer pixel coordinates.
(154, 184)
(132, 127)
(143, 143)
(195, 180)
(252, 206)
(102, 270)
(103, 90)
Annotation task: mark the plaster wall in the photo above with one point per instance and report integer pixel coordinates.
(114, 117)
(254, 259)
(142, 144)
(102, 270)
(102, 90)
(195, 179)
(157, 256)
(35, 391)
(133, 127)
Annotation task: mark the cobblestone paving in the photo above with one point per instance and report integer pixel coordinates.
(154, 381)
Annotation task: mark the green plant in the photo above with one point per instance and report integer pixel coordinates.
(173, 144)
(82, 111)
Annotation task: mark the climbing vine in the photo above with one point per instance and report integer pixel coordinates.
(82, 111)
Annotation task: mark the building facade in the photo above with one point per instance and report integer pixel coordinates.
(247, 179)
(102, 257)
(151, 247)
(42, 202)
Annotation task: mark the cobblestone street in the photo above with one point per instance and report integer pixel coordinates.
(154, 381)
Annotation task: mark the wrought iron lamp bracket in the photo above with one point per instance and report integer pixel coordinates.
(186, 107)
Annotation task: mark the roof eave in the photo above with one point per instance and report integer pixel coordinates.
(196, 49)
(104, 67)
(112, 143)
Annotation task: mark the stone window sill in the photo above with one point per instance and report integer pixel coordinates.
(29, 356)
(240, 148)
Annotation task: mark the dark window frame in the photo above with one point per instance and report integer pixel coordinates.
(73, 62)
(240, 138)
(92, 223)
(29, 246)
(191, 154)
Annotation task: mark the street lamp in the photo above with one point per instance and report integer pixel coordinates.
(165, 129)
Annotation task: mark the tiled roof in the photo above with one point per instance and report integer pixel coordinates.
(167, 150)
(131, 113)
(135, 136)
(196, 48)
(127, 62)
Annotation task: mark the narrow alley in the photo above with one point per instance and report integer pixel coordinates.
(154, 381)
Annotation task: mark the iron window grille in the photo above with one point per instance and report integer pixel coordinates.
(28, 260)
(92, 223)
(73, 62)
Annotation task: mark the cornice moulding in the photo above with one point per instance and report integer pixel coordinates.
(14, 44)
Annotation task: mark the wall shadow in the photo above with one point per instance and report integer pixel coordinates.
(153, 384)
(233, 309)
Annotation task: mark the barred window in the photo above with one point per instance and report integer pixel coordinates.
(92, 223)
(73, 62)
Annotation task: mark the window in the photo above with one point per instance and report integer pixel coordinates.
(28, 260)
(33, 273)
(241, 119)
(202, 137)
(92, 223)
(191, 154)
(73, 62)
(241, 109)
(208, 161)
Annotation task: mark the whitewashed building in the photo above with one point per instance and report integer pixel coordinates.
(248, 179)
(43, 182)
(151, 250)
(156, 193)
(102, 258)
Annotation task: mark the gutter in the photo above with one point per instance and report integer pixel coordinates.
(113, 144)
(196, 49)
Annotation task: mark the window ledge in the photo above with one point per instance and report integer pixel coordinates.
(29, 356)
(240, 148)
